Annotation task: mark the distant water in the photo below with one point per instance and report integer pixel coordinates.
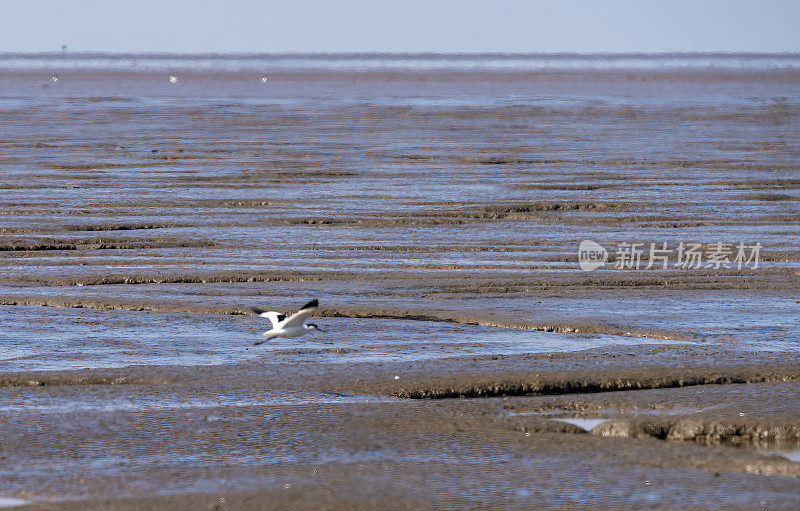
(400, 62)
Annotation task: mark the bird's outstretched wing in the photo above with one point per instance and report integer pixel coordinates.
(274, 317)
(300, 316)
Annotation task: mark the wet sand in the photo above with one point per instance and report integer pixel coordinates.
(437, 217)
(269, 435)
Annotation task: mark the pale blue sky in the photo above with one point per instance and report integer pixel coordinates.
(400, 26)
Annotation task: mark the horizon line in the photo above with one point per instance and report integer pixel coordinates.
(136, 53)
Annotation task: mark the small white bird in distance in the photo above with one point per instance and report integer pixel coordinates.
(291, 326)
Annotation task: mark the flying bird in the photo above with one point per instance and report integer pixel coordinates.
(288, 326)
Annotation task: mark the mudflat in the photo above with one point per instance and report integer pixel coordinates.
(468, 361)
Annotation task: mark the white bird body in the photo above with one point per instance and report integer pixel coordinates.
(291, 326)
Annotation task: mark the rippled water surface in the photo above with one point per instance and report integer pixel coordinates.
(53, 338)
(395, 187)
(434, 204)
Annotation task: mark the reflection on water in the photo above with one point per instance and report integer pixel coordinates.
(147, 400)
(11, 502)
(436, 187)
(38, 338)
(584, 424)
(470, 191)
(791, 455)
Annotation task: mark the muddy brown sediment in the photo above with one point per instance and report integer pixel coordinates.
(49, 380)
(683, 431)
(400, 197)
(745, 432)
(580, 382)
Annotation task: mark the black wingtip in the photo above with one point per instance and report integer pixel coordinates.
(310, 305)
(257, 310)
